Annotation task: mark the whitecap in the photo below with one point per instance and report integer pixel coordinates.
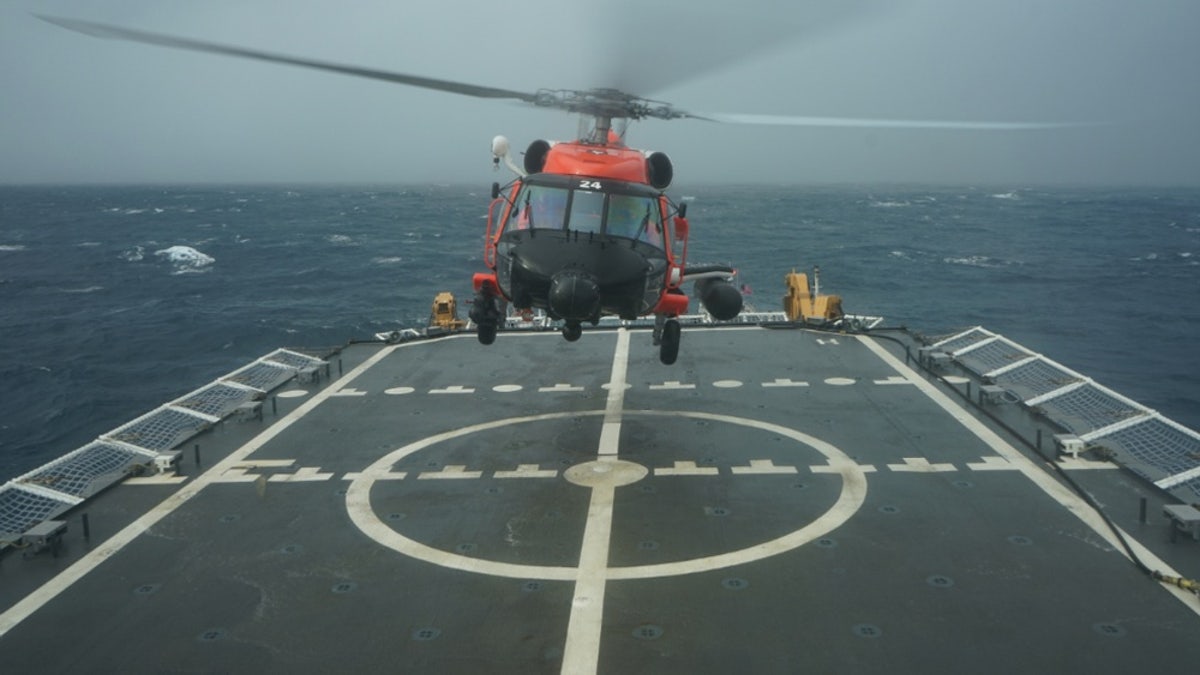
(186, 259)
(86, 289)
(392, 260)
(887, 204)
(974, 261)
(134, 254)
(1005, 195)
(12, 247)
(340, 240)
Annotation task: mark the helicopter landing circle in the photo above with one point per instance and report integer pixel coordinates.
(606, 473)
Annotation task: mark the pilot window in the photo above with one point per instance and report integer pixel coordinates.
(636, 217)
(541, 206)
(587, 211)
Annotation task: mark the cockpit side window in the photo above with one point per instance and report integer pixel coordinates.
(541, 206)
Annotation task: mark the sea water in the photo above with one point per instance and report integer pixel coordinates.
(114, 300)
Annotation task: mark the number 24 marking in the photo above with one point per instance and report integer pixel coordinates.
(589, 185)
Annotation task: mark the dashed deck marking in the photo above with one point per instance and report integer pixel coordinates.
(920, 465)
(686, 468)
(453, 389)
(450, 472)
(559, 388)
(528, 471)
(761, 466)
(670, 385)
(304, 474)
(399, 391)
(784, 382)
(992, 463)
(349, 391)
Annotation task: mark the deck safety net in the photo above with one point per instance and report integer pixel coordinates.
(54, 488)
(1142, 440)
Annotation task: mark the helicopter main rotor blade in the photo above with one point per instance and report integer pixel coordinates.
(118, 33)
(866, 123)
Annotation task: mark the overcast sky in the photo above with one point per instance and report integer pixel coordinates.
(75, 108)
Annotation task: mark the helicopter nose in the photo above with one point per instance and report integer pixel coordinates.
(574, 295)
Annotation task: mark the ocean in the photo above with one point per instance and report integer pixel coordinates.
(114, 300)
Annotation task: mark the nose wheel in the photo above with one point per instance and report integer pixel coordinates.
(572, 330)
(666, 336)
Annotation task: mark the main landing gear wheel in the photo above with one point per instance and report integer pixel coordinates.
(668, 348)
(572, 330)
(486, 315)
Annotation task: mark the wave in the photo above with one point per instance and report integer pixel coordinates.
(135, 254)
(186, 259)
(977, 261)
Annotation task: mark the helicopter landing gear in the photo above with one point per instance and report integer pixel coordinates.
(572, 330)
(666, 335)
(486, 315)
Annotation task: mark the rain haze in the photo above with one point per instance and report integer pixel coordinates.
(1120, 75)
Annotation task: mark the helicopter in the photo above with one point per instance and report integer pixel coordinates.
(585, 230)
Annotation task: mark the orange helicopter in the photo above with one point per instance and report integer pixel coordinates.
(585, 230)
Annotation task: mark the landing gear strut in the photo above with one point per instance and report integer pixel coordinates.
(666, 335)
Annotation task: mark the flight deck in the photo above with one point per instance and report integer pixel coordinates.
(778, 501)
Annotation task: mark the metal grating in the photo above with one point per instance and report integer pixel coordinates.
(55, 487)
(292, 359)
(1157, 443)
(992, 356)
(262, 375)
(21, 509)
(87, 470)
(217, 399)
(1089, 408)
(963, 340)
(162, 429)
(1036, 378)
(1192, 486)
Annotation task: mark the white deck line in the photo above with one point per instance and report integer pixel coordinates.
(1055, 490)
(51, 589)
(581, 653)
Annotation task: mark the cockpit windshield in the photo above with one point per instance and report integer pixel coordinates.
(614, 209)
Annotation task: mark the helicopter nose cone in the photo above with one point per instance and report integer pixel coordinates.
(574, 296)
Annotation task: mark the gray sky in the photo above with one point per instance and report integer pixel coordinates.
(79, 109)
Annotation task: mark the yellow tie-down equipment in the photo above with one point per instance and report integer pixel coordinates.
(809, 306)
(444, 314)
